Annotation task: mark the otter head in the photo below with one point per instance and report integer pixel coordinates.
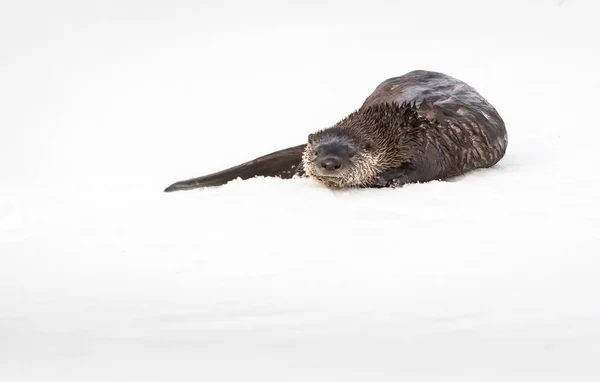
(366, 143)
(338, 157)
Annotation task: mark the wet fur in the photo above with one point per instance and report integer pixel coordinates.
(395, 135)
(418, 127)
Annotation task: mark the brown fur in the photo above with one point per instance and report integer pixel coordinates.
(417, 127)
(433, 123)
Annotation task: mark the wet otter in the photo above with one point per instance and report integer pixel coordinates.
(418, 127)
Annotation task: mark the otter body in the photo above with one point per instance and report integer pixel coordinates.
(418, 127)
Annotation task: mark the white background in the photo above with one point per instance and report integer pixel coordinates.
(492, 277)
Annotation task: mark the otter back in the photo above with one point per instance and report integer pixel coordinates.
(466, 118)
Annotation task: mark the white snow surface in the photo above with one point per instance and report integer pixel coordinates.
(103, 277)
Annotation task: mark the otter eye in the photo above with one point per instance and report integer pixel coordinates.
(367, 147)
(351, 154)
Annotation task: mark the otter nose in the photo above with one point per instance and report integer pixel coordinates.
(331, 164)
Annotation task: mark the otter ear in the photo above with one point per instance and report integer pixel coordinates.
(367, 146)
(311, 138)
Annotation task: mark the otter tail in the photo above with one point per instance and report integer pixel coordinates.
(282, 164)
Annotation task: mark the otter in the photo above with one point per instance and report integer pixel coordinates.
(414, 128)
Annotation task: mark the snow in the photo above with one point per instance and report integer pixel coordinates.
(103, 277)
